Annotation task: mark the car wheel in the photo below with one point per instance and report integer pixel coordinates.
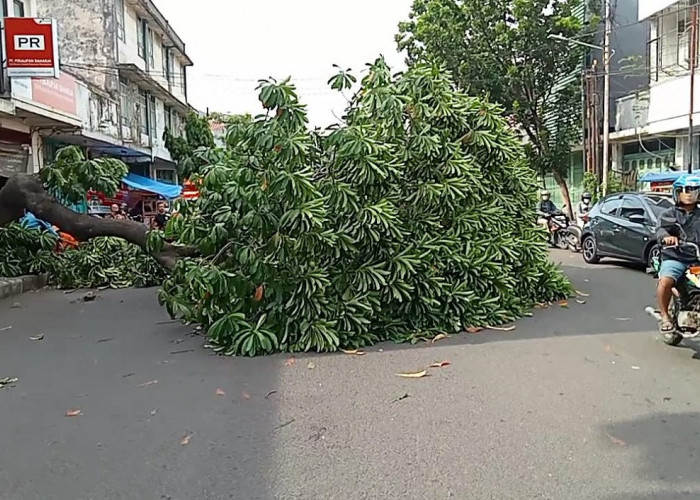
(589, 249)
(654, 254)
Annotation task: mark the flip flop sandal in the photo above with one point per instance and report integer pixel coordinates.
(666, 326)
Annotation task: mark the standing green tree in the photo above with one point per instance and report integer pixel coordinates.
(183, 148)
(502, 50)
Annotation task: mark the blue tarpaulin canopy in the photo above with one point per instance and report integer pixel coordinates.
(168, 191)
(667, 176)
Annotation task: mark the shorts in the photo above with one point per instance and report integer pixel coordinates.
(673, 269)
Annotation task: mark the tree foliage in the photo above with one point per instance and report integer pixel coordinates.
(413, 218)
(103, 261)
(502, 50)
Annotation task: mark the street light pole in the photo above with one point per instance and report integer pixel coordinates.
(693, 65)
(606, 97)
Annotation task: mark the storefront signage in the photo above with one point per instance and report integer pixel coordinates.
(31, 47)
(59, 94)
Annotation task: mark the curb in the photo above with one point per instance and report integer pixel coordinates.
(9, 287)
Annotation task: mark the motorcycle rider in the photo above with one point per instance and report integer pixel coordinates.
(682, 220)
(583, 207)
(545, 209)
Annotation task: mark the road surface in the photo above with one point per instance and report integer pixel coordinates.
(577, 403)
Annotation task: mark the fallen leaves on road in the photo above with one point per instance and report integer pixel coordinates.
(37, 337)
(220, 392)
(246, 395)
(582, 294)
(440, 364)
(353, 352)
(89, 297)
(74, 413)
(607, 348)
(622, 319)
(636, 367)
(8, 381)
(16, 305)
(474, 329)
(564, 304)
(542, 305)
(270, 394)
(5, 329)
(290, 362)
(311, 365)
(579, 301)
(616, 441)
(146, 384)
(503, 328)
(405, 396)
(154, 411)
(439, 337)
(186, 439)
(419, 374)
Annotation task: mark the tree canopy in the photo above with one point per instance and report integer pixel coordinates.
(502, 50)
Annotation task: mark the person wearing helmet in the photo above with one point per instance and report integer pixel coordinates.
(583, 206)
(677, 224)
(545, 209)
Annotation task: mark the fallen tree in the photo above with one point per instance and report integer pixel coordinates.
(72, 176)
(414, 217)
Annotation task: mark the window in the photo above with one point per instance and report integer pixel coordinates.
(121, 33)
(126, 103)
(658, 204)
(142, 39)
(142, 106)
(150, 48)
(632, 205)
(18, 8)
(168, 119)
(152, 125)
(611, 205)
(167, 176)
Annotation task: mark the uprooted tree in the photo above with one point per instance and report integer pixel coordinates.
(414, 217)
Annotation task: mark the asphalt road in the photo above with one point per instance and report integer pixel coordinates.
(577, 403)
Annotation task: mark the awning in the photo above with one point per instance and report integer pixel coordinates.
(168, 191)
(662, 176)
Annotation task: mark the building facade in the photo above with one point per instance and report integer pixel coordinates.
(651, 129)
(627, 41)
(123, 82)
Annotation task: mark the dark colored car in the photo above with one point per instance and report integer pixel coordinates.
(623, 226)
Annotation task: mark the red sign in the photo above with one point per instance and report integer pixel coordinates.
(58, 93)
(31, 47)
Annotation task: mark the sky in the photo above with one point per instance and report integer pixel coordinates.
(234, 43)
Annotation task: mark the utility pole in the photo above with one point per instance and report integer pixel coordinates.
(606, 96)
(693, 65)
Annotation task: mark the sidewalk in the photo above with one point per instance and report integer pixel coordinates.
(9, 287)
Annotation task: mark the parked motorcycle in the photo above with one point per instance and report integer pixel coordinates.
(685, 302)
(561, 232)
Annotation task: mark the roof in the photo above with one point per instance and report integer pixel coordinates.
(168, 191)
(670, 175)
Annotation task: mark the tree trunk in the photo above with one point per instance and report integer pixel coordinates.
(561, 182)
(26, 192)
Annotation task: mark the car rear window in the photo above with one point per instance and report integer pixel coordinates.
(658, 204)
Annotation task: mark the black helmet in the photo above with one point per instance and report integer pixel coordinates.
(586, 196)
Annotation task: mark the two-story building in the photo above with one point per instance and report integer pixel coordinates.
(123, 82)
(651, 130)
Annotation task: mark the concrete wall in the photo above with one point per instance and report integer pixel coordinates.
(87, 39)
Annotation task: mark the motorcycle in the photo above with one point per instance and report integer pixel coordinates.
(561, 232)
(685, 303)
